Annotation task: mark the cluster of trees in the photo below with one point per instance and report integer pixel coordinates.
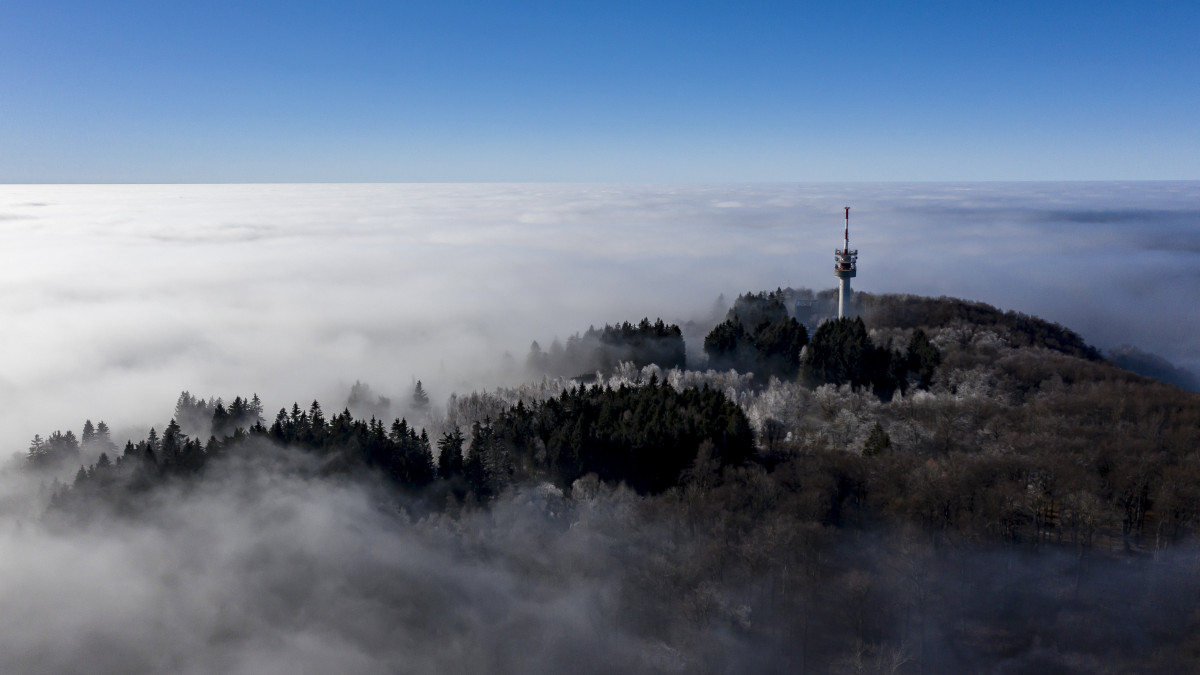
(61, 448)
(803, 560)
(841, 352)
(758, 336)
(599, 350)
(1021, 330)
(365, 403)
(118, 482)
(1019, 445)
(118, 479)
(646, 437)
(199, 418)
(1154, 366)
(400, 451)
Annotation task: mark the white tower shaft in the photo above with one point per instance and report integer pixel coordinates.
(845, 267)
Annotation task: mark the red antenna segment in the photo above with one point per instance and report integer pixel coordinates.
(847, 229)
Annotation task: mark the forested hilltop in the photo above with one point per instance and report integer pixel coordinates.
(932, 486)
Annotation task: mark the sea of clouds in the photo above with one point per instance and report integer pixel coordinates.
(117, 297)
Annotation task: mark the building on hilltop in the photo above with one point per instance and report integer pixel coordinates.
(845, 268)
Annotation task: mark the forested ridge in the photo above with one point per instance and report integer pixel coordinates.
(935, 486)
(642, 344)
(645, 436)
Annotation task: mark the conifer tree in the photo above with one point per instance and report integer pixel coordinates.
(877, 442)
(103, 438)
(37, 454)
(316, 420)
(420, 399)
(221, 421)
(172, 444)
(922, 358)
(256, 410)
(238, 414)
(450, 455)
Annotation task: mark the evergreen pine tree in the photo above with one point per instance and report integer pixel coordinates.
(103, 438)
(37, 455)
(316, 420)
(256, 410)
(420, 398)
(450, 455)
(877, 442)
(222, 422)
(922, 358)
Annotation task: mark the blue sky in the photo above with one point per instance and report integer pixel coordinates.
(612, 91)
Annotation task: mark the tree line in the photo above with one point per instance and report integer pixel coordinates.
(645, 437)
(602, 349)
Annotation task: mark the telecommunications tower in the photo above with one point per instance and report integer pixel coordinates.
(845, 268)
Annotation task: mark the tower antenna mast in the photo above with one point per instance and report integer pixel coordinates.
(847, 248)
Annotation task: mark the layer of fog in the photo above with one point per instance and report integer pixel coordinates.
(261, 569)
(118, 297)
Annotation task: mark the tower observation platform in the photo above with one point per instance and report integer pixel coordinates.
(845, 268)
